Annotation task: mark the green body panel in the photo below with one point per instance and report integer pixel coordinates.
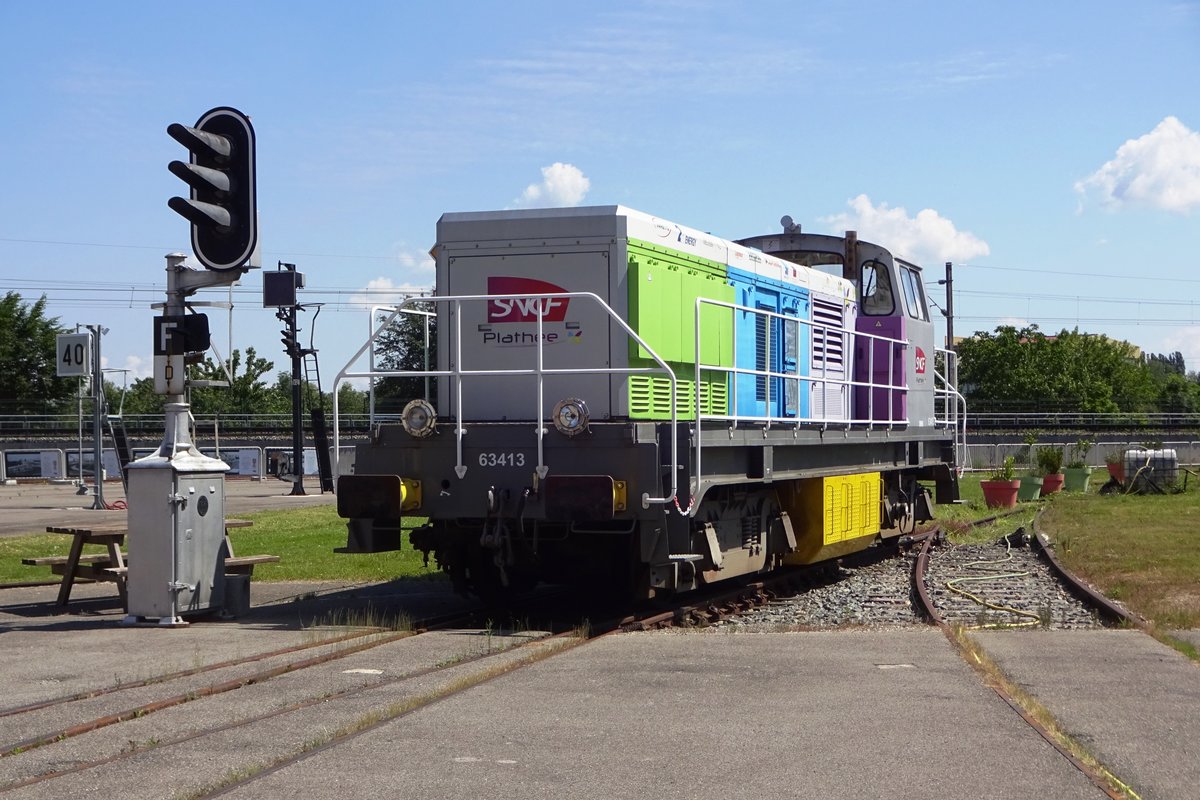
(663, 288)
(650, 395)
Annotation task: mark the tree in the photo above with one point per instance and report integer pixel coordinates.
(246, 393)
(351, 400)
(401, 346)
(1022, 368)
(1172, 363)
(1004, 369)
(309, 397)
(29, 381)
(1177, 394)
(139, 398)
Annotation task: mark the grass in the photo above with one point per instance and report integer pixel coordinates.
(959, 519)
(304, 538)
(1143, 550)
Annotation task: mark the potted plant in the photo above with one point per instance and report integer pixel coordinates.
(1000, 488)
(1030, 489)
(1031, 484)
(1077, 473)
(1049, 465)
(1115, 462)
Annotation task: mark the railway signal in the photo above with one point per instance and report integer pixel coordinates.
(222, 207)
(288, 334)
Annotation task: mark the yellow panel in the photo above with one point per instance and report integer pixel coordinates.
(410, 494)
(833, 516)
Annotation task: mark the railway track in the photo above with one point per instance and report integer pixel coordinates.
(202, 732)
(1005, 584)
(1015, 582)
(1012, 582)
(191, 733)
(209, 730)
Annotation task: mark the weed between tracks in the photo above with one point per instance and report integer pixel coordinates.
(974, 654)
(369, 618)
(366, 722)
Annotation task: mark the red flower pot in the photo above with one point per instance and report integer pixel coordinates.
(1117, 472)
(1000, 494)
(1051, 483)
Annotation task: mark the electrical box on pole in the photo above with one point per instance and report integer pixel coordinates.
(279, 288)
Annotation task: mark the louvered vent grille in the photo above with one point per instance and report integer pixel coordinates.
(829, 347)
(650, 397)
(760, 355)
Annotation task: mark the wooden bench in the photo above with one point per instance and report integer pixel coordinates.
(89, 567)
(244, 565)
(76, 565)
(112, 567)
(57, 561)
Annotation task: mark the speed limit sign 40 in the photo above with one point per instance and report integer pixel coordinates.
(74, 354)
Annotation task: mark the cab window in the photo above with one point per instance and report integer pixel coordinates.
(876, 287)
(914, 299)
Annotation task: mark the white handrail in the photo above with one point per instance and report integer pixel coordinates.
(816, 377)
(457, 373)
(955, 405)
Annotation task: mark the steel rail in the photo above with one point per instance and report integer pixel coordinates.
(436, 622)
(273, 713)
(929, 609)
(608, 628)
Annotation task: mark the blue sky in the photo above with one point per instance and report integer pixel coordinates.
(1050, 150)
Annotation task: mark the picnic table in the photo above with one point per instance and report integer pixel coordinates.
(111, 566)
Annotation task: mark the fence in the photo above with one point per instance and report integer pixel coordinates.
(987, 456)
(244, 462)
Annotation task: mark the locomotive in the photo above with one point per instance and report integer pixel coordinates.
(623, 403)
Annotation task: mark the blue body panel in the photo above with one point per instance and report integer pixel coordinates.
(787, 349)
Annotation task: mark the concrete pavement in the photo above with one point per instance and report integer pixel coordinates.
(846, 714)
(1133, 702)
(849, 714)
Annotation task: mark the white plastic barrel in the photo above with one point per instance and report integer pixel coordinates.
(1159, 466)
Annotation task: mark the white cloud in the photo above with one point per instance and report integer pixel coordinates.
(562, 185)
(1187, 341)
(416, 268)
(138, 367)
(414, 275)
(134, 369)
(384, 291)
(1016, 322)
(1158, 170)
(928, 238)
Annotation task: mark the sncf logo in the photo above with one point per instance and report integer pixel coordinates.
(525, 309)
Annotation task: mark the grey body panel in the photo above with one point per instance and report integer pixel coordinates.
(500, 253)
